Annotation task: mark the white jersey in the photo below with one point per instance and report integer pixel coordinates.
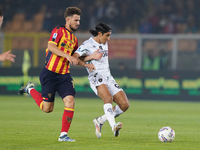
(102, 73)
(88, 48)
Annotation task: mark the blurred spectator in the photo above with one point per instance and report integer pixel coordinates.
(145, 26)
(155, 60)
(161, 9)
(111, 10)
(179, 15)
(169, 7)
(180, 27)
(191, 25)
(169, 28)
(123, 15)
(151, 60)
(163, 21)
(85, 13)
(122, 66)
(31, 8)
(98, 13)
(191, 8)
(48, 21)
(111, 15)
(164, 59)
(130, 16)
(154, 20)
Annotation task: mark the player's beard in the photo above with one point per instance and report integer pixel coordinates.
(72, 28)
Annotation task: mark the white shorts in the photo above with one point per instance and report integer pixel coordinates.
(98, 79)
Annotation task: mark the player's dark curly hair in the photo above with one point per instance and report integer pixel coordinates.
(101, 27)
(70, 11)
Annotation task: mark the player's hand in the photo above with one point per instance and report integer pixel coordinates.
(97, 55)
(72, 60)
(7, 56)
(90, 67)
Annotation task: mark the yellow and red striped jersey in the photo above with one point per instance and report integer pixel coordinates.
(66, 42)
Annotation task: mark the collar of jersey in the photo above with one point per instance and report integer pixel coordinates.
(96, 43)
(67, 29)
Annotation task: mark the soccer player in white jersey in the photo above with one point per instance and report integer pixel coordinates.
(95, 51)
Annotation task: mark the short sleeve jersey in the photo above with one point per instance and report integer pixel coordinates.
(66, 42)
(88, 48)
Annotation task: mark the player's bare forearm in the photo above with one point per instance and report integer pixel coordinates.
(87, 58)
(90, 67)
(80, 61)
(95, 56)
(54, 49)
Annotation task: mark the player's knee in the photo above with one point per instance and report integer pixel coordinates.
(71, 102)
(125, 106)
(48, 107)
(47, 110)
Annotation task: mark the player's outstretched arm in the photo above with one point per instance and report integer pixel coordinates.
(54, 49)
(90, 67)
(7, 56)
(80, 61)
(96, 55)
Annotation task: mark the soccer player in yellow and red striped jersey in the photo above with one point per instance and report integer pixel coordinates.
(66, 42)
(55, 76)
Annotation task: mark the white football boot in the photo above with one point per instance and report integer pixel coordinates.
(116, 129)
(98, 127)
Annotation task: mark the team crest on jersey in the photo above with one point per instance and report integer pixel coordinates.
(100, 80)
(117, 86)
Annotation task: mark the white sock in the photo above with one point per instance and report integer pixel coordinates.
(29, 90)
(63, 133)
(117, 111)
(109, 114)
(102, 119)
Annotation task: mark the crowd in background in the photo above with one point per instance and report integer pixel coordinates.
(127, 16)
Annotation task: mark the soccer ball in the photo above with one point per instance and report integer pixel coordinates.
(166, 134)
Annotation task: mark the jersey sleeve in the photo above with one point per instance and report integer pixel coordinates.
(56, 35)
(82, 50)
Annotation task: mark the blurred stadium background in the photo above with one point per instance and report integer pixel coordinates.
(154, 50)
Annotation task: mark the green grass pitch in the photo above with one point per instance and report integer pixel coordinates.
(23, 126)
